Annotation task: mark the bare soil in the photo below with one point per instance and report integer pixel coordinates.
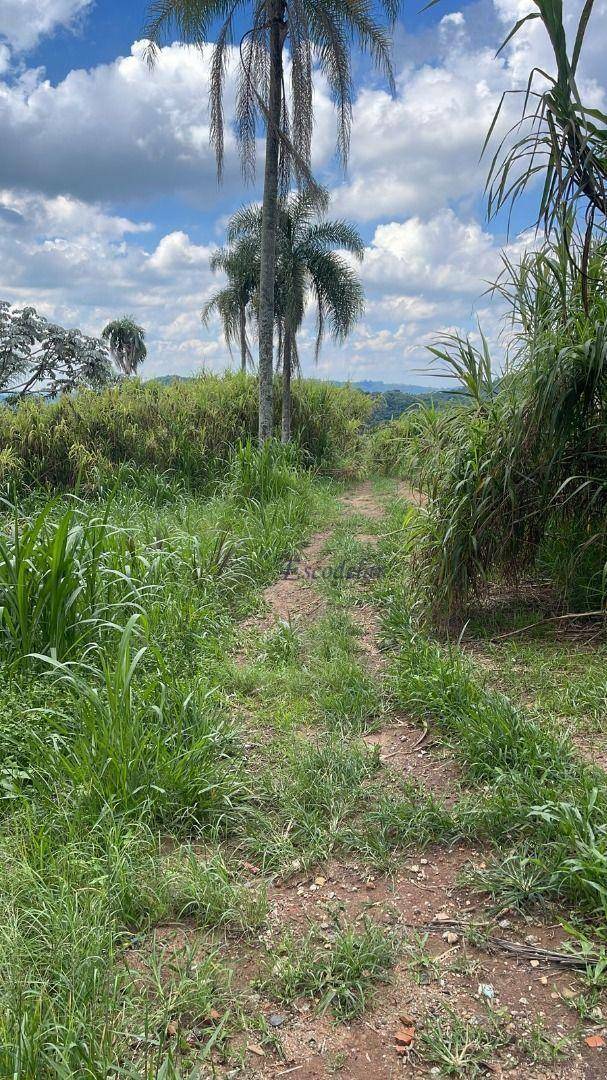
(425, 892)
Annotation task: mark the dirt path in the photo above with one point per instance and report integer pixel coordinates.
(445, 986)
(441, 971)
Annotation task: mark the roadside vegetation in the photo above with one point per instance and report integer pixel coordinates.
(298, 773)
(186, 775)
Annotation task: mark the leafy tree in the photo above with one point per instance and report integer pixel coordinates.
(127, 344)
(241, 266)
(323, 29)
(39, 357)
(307, 265)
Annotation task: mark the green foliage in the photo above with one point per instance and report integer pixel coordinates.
(311, 798)
(160, 752)
(308, 263)
(525, 766)
(459, 1047)
(348, 697)
(189, 428)
(126, 341)
(62, 576)
(342, 977)
(40, 358)
(393, 403)
(558, 136)
(264, 473)
(121, 761)
(517, 480)
(407, 817)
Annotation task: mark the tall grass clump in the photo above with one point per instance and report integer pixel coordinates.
(189, 428)
(264, 473)
(517, 478)
(122, 764)
(146, 747)
(63, 572)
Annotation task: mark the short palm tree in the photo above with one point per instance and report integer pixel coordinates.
(241, 267)
(127, 344)
(307, 266)
(320, 28)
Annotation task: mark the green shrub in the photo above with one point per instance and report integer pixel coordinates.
(516, 477)
(189, 427)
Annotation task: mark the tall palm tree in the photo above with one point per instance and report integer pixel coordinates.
(127, 344)
(307, 266)
(241, 266)
(320, 28)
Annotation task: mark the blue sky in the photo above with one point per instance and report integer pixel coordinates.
(109, 201)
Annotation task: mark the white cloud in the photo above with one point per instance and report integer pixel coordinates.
(177, 252)
(118, 130)
(420, 151)
(24, 22)
(125, 131)
(81, 266)
(119, 135)
(439, 256)
(531, 46)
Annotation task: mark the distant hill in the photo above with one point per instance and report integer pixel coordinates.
(373, 386)
(167, 380)
(369, 386)
(393, 403)
(391, 400)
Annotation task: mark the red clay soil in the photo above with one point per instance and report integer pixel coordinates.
(424, 892)
(293, 596)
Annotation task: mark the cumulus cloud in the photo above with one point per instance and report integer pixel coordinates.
(125, 131)
(420, 151)
(439, 256)
(116, 131)
(82, 265)
(176, 252)
(118, 135)
(422, 278)
(23, 22)
(531, 46)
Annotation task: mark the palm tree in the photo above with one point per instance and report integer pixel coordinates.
(320, 28)
(307, 266)
(127, 344)
(241, 266)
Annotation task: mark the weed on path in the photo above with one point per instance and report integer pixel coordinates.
(265, 836)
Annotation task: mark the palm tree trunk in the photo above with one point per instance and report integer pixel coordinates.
(268, 224)
(286, 388)
(243, 338)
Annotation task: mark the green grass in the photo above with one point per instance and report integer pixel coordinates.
(400, 817)
(161, 766)
(537, 795)
(122, 764)
(459, 1047)
(308, 801)
(556, 680)
(341, 977)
